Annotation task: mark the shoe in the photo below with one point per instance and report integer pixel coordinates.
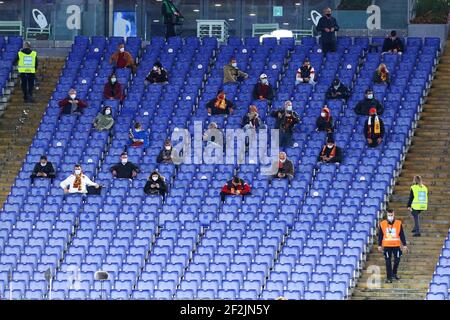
(388, 280)
(416, 235)
(396, 277)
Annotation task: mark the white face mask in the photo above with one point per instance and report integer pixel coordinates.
(154, 178)
(43, 164)
(370, 96)
(124, 160)
(107, 112)
(168, 147)
(282, 160)
(329, 147)
(78, 172)
(113, 80)
(155, 68)
(73, 96)
(323, 114)
(122, 49)
(234, 64)
(390, 218)
(265, 81)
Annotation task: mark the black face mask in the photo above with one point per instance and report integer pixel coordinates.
(328, 15)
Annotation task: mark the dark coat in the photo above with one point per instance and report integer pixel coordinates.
(125, 170)
(258, 91)
(329, 23)
(342, 92)
(362, 108)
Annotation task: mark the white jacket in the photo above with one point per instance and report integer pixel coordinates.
(85, 181)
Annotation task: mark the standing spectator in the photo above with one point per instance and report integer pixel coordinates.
(393, 44)
(157, 75)
(418, 202)
(232, 74)
(77, 182)
(113, 89)
(156, 185)
(71, 104)
(263, 89)
(337, 90)
(325, 121)
(283, 168)
(390, 237)
(104, 119)
(286, 121)
(138, 136)
(220, 105)
(381, 75)
(362, 107)
(374, 129)
(235, 186)
(43, 169)
(122, 59)
(305, 74)
(172, 17)
(327, 26)
(330, 152)
(124, 169)
(251, 120)
(27, 63)
(165, 155)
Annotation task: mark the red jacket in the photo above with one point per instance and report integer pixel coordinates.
(228, 188)
(110, 91)
(66, 101)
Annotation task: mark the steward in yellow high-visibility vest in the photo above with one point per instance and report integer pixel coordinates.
(390, 239)
(27, 63)
(418, 202)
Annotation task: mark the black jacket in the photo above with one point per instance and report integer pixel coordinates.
(155, 77)
(342, 92)
(380, 235)
(215, 110)
(389, 45)
(326, 152)
(26, 51)
(256, 122)
(287, 121)
(362, 108)
(329, 23)
(125, 170)
(165, 156)
(377, 78)
(47, 169)
(373, 136)
(153, 187)
(258, 91)
(323, 125)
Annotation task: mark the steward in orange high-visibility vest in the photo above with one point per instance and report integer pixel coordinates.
(390, 239)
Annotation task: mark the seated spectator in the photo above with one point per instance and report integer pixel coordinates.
(374, 129)
(156, 185)
(212, 133)
(165, 155)
(122, 59)
(77, 182)
(325, 121)
(235, 186)
(337, 90)
(138, 136)
(362, 107)
(157, 75)
(232, 74)
(71, 104)
(220, 105)
(330, 152)
(124, 169)
(251, 120)
(286, 121)
(381, 75)
(393, 44)
(263, 89)
(305, 74)
(283, 168)
(113, 89)
(43, 169)
(104, 120)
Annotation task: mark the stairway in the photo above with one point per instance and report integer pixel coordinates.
(19, 122)
(427, 157)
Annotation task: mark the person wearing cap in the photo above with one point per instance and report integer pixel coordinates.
(124, 169)
(362, 107)
(286, 119)
(27, 63)
(219, 105)
(330, 152)
(263, 89)
(235, 187)
(390, 239)
(77, 182)
(283, 168)
(325, 121)
(43, 169)
(327, 26)
(72, 104)
(337, 90)
(393, 44)
(305, 74)
(374, 129)
(417, 202)
(165, 155)
(232, 74)
(157, 75)
(122, 59)
(138, 136)
(156, 184)
(381, 75)
(104, 119)
(113, 89)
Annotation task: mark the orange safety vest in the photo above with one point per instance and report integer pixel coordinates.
(391, 233)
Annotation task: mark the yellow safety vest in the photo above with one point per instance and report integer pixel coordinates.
(420, 201)
(27, 62)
